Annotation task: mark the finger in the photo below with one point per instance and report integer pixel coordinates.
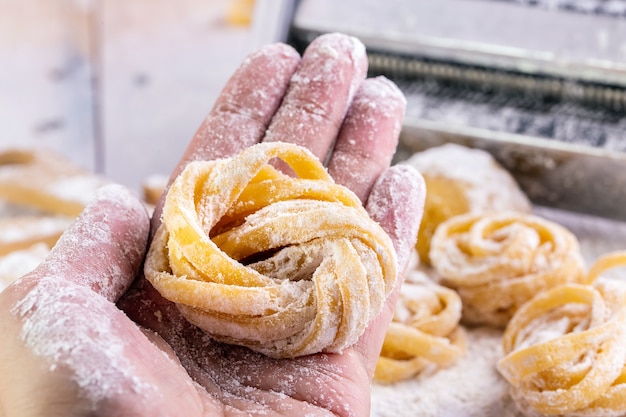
(238, 120)
(396, 203)
(104, 248)
(320, 92)
(369, 136)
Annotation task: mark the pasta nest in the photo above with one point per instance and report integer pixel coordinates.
(565, 350)
(498, 261)
(287, 265)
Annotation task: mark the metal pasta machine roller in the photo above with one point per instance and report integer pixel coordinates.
(540, 84)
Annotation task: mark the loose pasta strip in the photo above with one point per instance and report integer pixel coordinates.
(46, 181)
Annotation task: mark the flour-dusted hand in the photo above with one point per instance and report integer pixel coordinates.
(321, 101)
(68, 350)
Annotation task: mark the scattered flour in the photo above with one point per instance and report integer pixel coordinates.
(470, 388)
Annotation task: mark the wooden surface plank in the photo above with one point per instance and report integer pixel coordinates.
(45, 77)
(163, 65)
(117, 86)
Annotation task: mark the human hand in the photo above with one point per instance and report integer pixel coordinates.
(173, 368)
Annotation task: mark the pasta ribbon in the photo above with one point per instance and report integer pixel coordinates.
(498, 261)
(285, 265)
(424, 332)
(565, 350)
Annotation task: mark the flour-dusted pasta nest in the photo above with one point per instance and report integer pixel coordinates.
(565, 350)
(498, 261)
(285, 265)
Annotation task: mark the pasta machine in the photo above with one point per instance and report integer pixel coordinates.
(540, 84)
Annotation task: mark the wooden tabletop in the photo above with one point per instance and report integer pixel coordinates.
(118, 86)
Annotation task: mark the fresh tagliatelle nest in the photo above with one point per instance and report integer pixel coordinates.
(285, 265)
(497, 261)
(565, 349)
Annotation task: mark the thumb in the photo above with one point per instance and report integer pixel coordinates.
(104, 248)
(397, 204)
(67, 349)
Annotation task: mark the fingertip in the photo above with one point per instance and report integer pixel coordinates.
(320, 92)
(385, 88)
(258, 84)
(369, 135)
(381, 106)
(254, 82)
(273, 51)
(116, 196)
(336, 45)
(333, 42)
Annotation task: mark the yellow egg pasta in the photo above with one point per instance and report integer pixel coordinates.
(565, 350)
(498, 261)
(285, 265)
